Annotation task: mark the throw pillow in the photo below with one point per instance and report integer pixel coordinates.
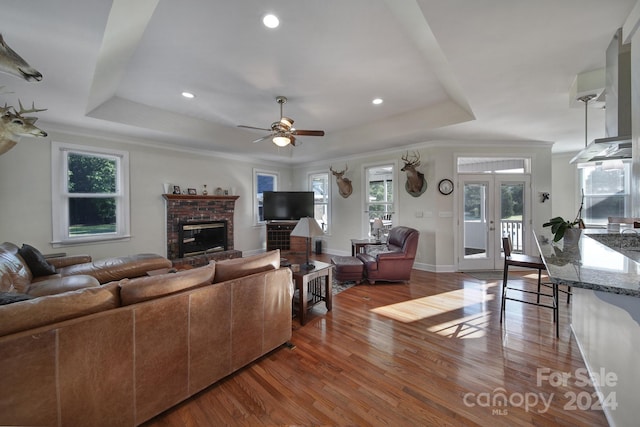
(36, 261)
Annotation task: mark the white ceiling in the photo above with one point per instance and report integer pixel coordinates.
(471, 70)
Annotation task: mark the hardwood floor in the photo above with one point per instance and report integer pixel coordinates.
(430, 352)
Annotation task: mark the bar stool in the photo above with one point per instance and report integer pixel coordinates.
(527, 261)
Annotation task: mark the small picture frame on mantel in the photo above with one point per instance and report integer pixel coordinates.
(176, 189)
(192, 191)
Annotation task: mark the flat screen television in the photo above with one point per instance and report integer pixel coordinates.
(287, 205)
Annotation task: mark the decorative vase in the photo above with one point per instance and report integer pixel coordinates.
(572, 236)
(204, 190)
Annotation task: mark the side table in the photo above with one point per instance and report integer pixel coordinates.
(357, 245)
(313, 287)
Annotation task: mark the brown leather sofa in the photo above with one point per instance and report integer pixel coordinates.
(25, 270)
(391, 262)
(121, 353)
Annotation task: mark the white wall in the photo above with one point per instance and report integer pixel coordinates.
(25, 193)
(437, 226)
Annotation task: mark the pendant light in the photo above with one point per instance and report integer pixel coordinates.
(586, 99)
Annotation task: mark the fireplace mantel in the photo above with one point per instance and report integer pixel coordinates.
(197, 197)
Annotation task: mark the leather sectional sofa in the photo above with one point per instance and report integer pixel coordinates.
(26, 271)
(120, 353)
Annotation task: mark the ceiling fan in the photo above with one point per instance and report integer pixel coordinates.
(282, 132)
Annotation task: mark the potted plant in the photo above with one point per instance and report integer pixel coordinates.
(559, 225)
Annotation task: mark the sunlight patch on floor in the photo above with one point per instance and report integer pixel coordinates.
(472, 326)
(434, 305)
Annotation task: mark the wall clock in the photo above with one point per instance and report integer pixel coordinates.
(445, 186)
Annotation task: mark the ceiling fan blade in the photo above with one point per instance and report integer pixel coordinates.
(293, 140)
(253, 127)
(308, 132)
(262, 139)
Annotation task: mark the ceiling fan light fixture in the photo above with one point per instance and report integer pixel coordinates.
(281, 141)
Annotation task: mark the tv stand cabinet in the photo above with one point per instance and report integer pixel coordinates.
(279, 237)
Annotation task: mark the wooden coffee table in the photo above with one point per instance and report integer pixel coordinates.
(313, 287)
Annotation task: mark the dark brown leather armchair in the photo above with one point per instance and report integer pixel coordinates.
(394, 261)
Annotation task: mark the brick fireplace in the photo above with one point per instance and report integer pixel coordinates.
(191, 209)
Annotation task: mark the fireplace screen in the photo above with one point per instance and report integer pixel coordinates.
(202, 237)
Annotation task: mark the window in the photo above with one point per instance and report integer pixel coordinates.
(606, 187)
(379, 201)
(319, 184)
(90, 194)
(262, 181)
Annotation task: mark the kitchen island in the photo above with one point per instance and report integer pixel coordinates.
(603, 271)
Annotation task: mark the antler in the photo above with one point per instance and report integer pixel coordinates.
(33, 109)
(408, 162)
(4, 110)
(346, 168)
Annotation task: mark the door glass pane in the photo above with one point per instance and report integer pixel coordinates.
(511, 214)
(475, 220)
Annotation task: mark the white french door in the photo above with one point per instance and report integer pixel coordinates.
(491, 206)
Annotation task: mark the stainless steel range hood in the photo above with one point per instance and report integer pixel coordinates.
(617, 143)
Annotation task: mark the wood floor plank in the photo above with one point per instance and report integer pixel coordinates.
(427, 352)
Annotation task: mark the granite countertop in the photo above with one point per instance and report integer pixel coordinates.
(600, 260)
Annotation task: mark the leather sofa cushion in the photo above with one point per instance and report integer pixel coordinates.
(50, 309)
(14, 274)
(146, 288)
(57, 285)
(66, 260)
(112, 269)
(239, 267)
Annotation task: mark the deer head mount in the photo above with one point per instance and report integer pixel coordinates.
(344, 184)
(416, 183)
(13, 125)
(12, 63)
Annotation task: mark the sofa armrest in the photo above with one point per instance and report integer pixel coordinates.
(65, 261)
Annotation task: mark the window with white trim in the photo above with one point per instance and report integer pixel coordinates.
(607, 190)
(90, 190)
(262, 181)
(319, 184)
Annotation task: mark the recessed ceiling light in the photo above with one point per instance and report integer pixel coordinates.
(270, 21)
(377, 101)
(188, 95)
